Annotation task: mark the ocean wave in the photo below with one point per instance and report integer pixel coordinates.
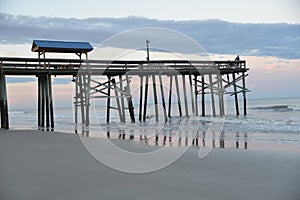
(21, 112)
(280, 108)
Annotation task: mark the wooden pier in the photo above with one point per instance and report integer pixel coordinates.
(213, 78)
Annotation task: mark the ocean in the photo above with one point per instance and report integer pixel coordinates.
(270, 124)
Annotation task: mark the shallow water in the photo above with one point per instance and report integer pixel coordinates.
(270, 123)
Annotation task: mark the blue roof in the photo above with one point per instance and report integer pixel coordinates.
(61, 46)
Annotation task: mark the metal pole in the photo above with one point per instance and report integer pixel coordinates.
(147, 44)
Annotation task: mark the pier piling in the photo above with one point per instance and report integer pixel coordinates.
(3, 103)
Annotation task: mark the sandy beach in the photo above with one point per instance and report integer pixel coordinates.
(53, 165)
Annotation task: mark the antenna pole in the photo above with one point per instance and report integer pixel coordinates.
(147, 45)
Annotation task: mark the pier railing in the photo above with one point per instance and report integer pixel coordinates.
(7, 63)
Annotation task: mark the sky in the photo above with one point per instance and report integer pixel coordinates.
(265, 33)
(255, 11)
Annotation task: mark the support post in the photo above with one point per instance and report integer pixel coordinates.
(196, 96)
(76, 102)
(122, 98)
(235, 95)
(212, 95)
(185, 96)
(51, 104)
(178, 96)
(46, 89)
(146, 98)
(155, 97)
(87, 84)
(129, 99)
(244, 93)
(163, 97)
(39, 102)
(220, 94)
(141, 98)
(3, 103)
(192, 94)
(117, 100)
(108, 100)
(203, 95)
(170, 95)
(43, 103)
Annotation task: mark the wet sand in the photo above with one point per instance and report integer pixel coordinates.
(41, 165)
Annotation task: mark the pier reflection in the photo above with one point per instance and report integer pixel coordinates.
(187, 140)
(180, 138)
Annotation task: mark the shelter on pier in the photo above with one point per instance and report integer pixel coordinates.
(43, 46)
(45, 102)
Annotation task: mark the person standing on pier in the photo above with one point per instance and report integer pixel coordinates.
(237, 60)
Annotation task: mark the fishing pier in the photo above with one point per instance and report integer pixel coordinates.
(183, 81)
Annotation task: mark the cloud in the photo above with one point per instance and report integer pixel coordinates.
(219, 37)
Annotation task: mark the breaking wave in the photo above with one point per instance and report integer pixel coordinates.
(279, 108)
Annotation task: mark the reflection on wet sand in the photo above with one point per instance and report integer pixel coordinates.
(181, 132)
(181, 140)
